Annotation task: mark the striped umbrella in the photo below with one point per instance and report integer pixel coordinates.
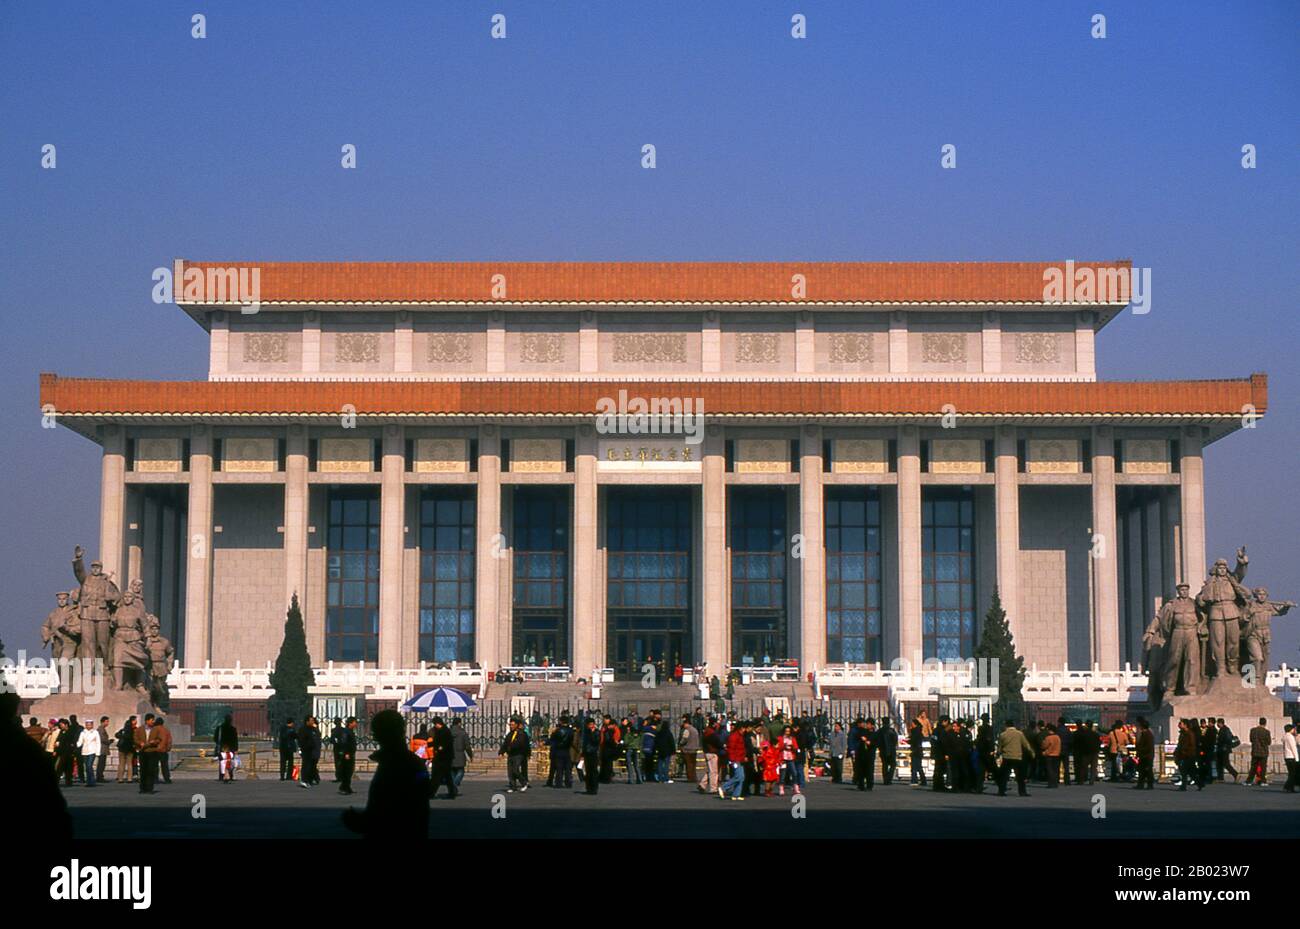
(440, 699)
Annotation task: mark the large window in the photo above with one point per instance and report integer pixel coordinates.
(853, 575)
(648, 546)
(352, 575)
(758, 573)
(948, 573)
(446, 574)
(541, 576)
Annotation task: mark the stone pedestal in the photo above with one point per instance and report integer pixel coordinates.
(117, 705)
(1240, 707)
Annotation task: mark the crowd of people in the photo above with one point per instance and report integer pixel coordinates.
(79, 751)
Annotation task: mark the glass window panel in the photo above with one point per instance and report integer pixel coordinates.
(354, 538)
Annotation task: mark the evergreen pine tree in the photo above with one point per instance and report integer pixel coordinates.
(293, 674)
(996, 644)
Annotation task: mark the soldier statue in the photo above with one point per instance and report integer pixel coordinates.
(1222, 600)
(98, 598)
(1256, 629)
(1175, 630)
(129, 658)
(161, 658)
(62, 628)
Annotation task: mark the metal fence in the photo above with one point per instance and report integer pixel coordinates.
(488, 722)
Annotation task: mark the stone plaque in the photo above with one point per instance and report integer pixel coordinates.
(649, 348)
(761, 456)
(945, 348)
(266, 347)
(757, 348)
(450, 348)
(356, 348)
(852, 348)
(1053, 456)
(956, 456)
(440, 456)
(247, 454)
(345, 456)
(1038, 348)
(1146, 456)
(860, 456)
(632, 453)
(537, 456)
(157, 456)
(539, 348)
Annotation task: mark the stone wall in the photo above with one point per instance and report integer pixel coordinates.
(247, 574)
(1055, 600)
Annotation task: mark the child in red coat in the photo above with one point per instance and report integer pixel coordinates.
(771, 757)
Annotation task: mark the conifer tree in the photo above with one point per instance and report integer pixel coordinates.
(293, 674)
(996, 645)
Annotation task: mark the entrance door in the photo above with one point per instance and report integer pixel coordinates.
(632, 649)
(760, 648)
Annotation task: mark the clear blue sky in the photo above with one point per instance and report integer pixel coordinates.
(529, 148)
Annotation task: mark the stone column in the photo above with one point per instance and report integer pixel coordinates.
(296, 494)
(1006, 492)
(488, 547)
(198, 567)
(588, 612)
(1191, 498)
(715, 622)
(112, 502)
(812, 566)
(218, 346)
(135, 529)
(909, 545)
(1085, 350)
(392, 538)
(1105, 550)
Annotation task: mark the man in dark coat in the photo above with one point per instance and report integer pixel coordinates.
(287, 740)
(26, 775)
(888, 739)
(665, 748)
(398, 804)
(591, 754)
(336, 736)
(863, 743)
(516, 748)
(461, 751)
(610, 737)
(345, 755)
(1146, 754)
(440, 749)
(986, 744)
(309, 746)
(561, 744)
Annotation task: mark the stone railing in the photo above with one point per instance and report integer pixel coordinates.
(37, 680)
(1044, 685)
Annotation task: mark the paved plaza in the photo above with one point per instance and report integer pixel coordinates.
(274, 809)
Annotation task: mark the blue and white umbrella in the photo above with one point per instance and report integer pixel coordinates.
(440, 700)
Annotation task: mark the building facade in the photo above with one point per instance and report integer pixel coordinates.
(423, 454)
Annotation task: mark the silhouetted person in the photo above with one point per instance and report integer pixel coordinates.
(26, 775)
(888, 737)
(309, 745)
(398, 804)
(345, 753)
(336, 738)
(227, 739)
(288, 744)
(440, 747)
(591, 739)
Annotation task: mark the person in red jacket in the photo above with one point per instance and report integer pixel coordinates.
(772, 765)
(735, 782)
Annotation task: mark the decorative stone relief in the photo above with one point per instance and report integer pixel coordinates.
(450, 348)
(944, 348)
(266, 347)
(345, 455)
(538, 456)
(539, 348)
(757, 348)
(761, 456)
(860, 456)
(1146, 456)
(1053, 456)
(956, 456)
(649, 348)
(249, 454)
(852, 348)
(433, 456)
(1038, 348)
(356, 348)
(157, 455)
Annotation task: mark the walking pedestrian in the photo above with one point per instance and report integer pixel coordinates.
(461, 751)
(398, 803)
(736, 758)
(309, 747)
(1225, 742)
(440, 749)
(1260, 740)
(516, 748)
(688, 745)
(862, 741)
(88, 749)
(559, 745)
(1014, 750)
(1052, 755)
(592, 742)
(105, 741)
(714, 749)
(665, 748)
(287, 742)
(1185, 755)
(1145, 748)
(1291, 757)
(916, 749)
(158, 742)
(226, 737)
(888, 737)
(839, 747)
(125, 750)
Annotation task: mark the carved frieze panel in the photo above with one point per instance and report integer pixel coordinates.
(266, 347)
(649, 348)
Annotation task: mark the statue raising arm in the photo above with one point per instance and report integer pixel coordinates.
(78, 567)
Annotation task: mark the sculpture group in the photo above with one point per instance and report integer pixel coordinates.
(96, 621)
(1194, 641)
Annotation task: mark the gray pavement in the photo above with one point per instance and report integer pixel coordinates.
(273, 809)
